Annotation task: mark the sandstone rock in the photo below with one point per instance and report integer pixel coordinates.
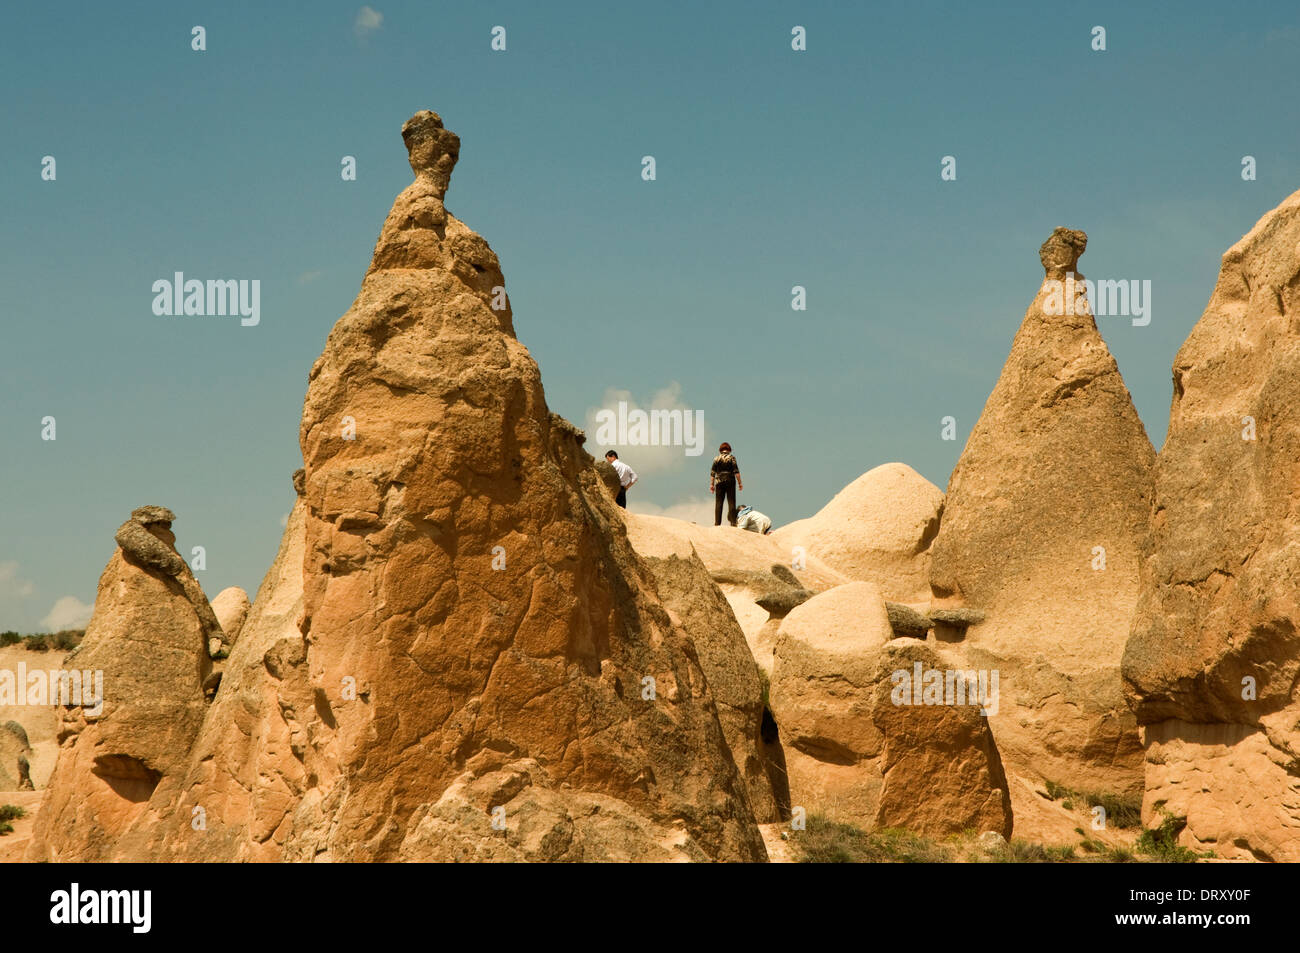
(877, 529)
(513, 813)
(38, 723)
(15, 750)
(1055, 478)
(721, 549)
(753, 572)
(689, 594)
(822, 696)
(245, 769)
(148, 635)
(468, 587)
(941, 770)
(455, 593)
(1212, 665)
(781, 602)
(852, 752)
(231, 609)
(907, 622)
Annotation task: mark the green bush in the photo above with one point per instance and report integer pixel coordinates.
(9, 812)
(9, 638)
(1162, 842)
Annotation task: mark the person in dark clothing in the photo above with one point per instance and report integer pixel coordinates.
(724, 481)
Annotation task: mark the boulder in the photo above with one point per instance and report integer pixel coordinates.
(231, 609)
(857, 749)
(822, 697)
(907, 621)
(760, 578)
(941, 772)
(877, 529)
(1045, 524)
(1212, 665)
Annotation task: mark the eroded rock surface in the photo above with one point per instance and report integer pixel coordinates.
(1212, 666)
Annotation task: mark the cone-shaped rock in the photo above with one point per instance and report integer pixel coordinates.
(148, 641)
(470, 595)
(1045, 522)
(1214, 658)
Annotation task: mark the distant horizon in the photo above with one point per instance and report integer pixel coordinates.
(775, 170)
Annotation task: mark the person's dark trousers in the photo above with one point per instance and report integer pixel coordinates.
(724, 491)
(621, 499)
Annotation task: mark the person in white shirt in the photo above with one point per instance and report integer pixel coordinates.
(752, 520)
(626, 477)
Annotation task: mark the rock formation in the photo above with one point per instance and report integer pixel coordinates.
(1045, 523)
(940, 769)
(753, 571)
(15, 752)
(245, 773)
(691, 597)
(231, 609)
(877, 529)
(149, 637)
(855, 751)
(822, 696)
(466, 570)
(468, 624)
(1214, 659)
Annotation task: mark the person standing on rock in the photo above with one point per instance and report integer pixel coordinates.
(626, 477)
(724, 481)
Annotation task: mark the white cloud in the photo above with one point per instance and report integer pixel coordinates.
(664, 451)
(68, 612)
(307, 277)
(10, 583)
(695, 509)
(368, 21)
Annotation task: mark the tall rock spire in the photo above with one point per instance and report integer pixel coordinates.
(457, 653)
(1044, 526)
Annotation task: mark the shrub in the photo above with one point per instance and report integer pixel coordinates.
(9, 812)
(9, 638)
(1026, 852)
(1121, 811)
(67, 639)
(1162, 842)
(826, 841)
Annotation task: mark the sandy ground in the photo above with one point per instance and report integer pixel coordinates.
(778, 848)
(12, 846)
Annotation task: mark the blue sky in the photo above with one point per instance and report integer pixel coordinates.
(774, 168)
